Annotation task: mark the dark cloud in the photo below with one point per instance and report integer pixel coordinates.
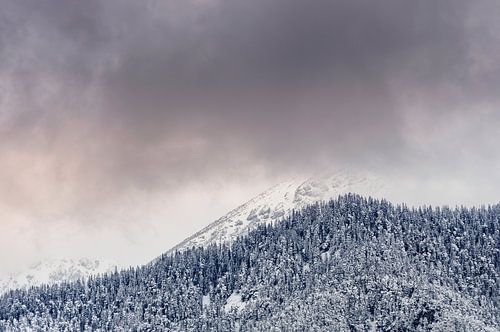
(101, 97)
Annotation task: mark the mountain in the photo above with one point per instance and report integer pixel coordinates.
(349, 264)
(270, 206)
(53, 272)
(279, 201)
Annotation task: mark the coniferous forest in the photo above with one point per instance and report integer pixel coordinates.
(351, 264)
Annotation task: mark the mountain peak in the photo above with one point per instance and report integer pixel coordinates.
(279, 201)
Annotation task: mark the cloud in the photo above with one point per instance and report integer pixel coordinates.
(103, 99)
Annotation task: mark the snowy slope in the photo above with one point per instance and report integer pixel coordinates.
(279, 201)
(55, 271)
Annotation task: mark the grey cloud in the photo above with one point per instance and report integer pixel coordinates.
(116, 95)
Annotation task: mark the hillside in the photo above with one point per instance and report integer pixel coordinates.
(352, 264)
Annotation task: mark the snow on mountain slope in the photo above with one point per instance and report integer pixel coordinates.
(55, 271)
(279, 201)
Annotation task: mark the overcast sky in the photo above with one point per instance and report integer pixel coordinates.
(131, 124)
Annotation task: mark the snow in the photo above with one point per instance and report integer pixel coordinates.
(279, 201)
(205, 301)
(55, 271)
(234, 301)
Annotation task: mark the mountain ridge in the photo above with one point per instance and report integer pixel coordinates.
(279, 201)
(55, 271)
(270, 206)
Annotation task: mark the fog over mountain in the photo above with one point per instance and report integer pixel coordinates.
(117, 117)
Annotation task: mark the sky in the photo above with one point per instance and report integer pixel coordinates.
(125, 126)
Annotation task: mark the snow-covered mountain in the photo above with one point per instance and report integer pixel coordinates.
(55, 271)
(353, 265)
(279, 201)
